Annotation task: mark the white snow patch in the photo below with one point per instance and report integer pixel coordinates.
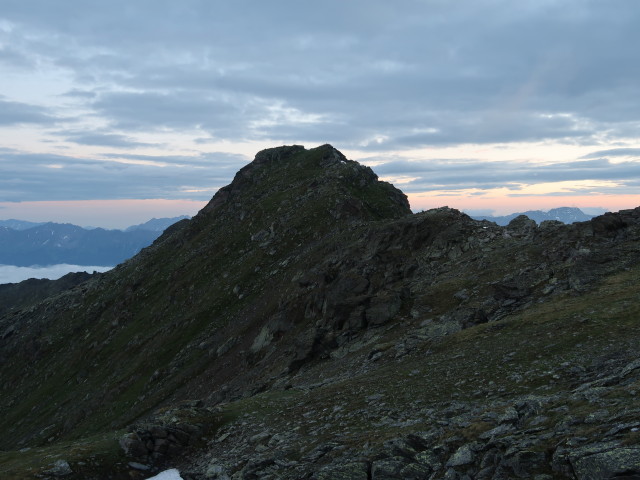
(172, 474)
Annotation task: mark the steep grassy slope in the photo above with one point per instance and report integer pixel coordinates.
(16, 296)
(100, 356)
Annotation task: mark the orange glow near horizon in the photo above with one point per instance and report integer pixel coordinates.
(124, 213)
(99, 213)
(502, 205)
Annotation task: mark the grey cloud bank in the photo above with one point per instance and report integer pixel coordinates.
(470, 174)
(375, 77)
(102, 139)
(616, 152)
(42, 177)
(16, 113)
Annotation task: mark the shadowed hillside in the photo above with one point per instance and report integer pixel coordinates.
(16, 296)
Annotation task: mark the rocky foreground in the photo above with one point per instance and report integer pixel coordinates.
(306, 325)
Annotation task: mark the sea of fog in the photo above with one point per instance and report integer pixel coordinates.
(13, 274)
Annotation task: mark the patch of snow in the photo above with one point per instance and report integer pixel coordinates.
(172, 474)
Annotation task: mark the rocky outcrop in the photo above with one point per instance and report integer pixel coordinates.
(167, 434)
(490, 438)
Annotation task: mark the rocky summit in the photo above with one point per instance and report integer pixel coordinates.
(306, 325)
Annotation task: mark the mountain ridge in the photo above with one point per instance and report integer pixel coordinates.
(559, 214)
(305, 324)
(156, 224)
(55, 243)
(14, 224)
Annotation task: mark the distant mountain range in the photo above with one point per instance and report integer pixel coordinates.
(562, 214)
(155, 224)
(27, 243)
(19, 224)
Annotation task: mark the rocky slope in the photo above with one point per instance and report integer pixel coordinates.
(306, 325)
(22, 295)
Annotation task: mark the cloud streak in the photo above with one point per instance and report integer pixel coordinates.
(102, 139)
(17, 113)
(43, 177)
(615, 152)
(465, 174)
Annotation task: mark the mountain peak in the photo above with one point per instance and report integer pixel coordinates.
(299, 176)
(277, 153)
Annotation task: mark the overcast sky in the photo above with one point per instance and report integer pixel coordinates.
(477, 104)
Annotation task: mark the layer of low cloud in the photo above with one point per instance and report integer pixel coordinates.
(103, 139)
(615, 152)
(13, 274)
(468, 174)
(18, 113)
(45, 177)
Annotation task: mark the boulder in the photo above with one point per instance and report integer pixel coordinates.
(60, 468)
(619, 462)
(465, 455)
